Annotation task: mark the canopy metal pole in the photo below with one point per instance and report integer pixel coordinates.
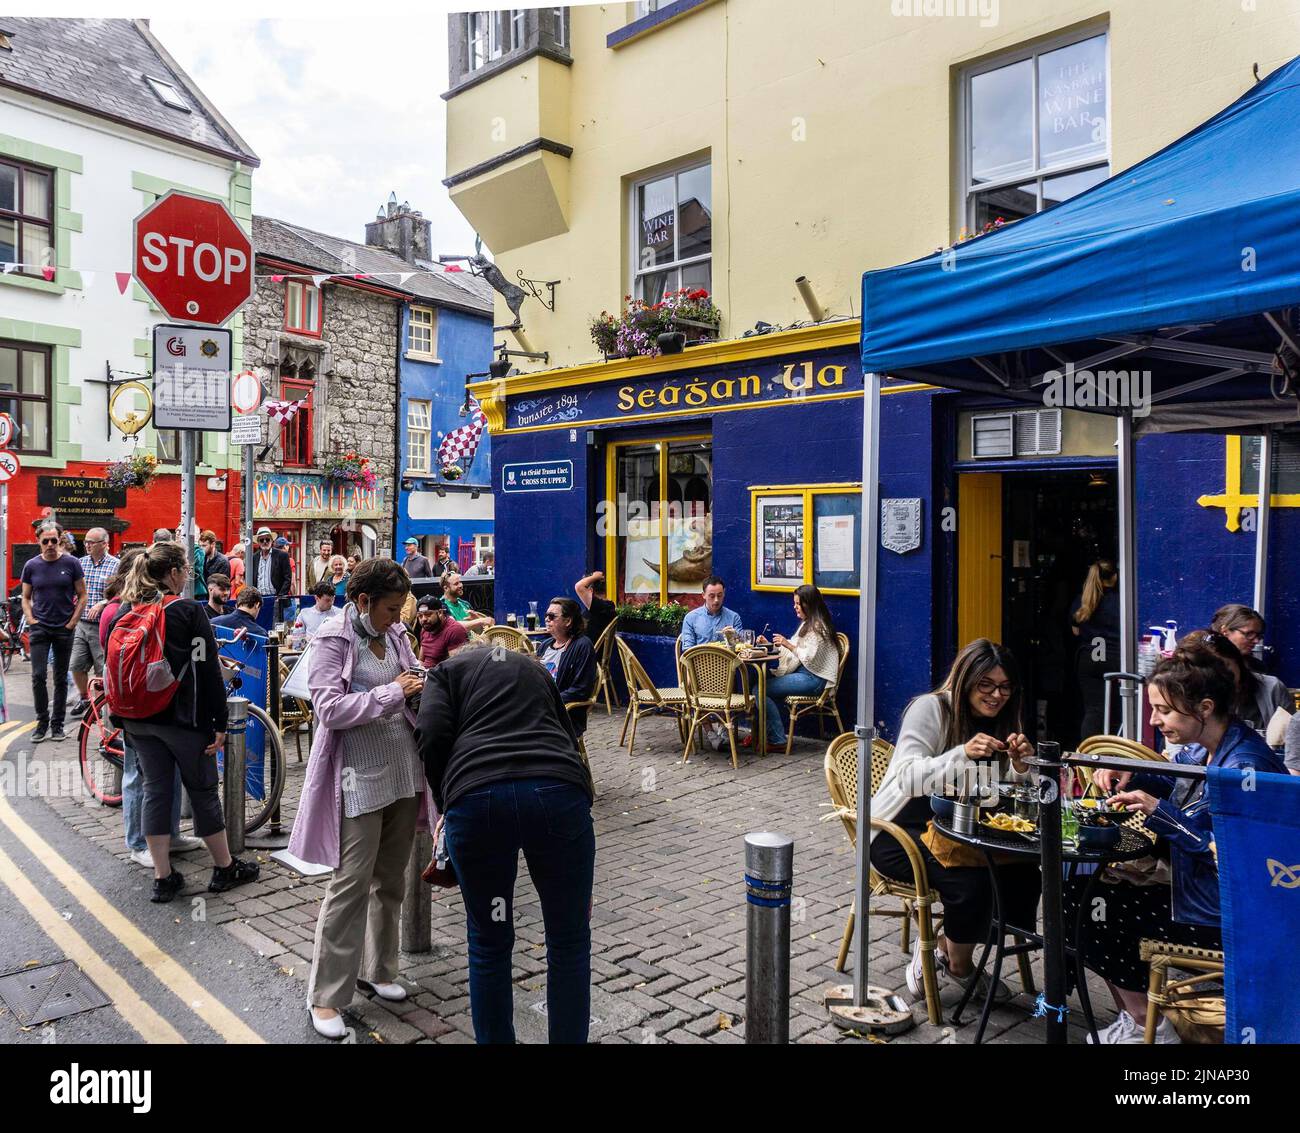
(1127, 488)
(866, 729)
(1262, 514)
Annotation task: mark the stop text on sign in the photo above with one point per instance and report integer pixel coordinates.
(207, 261)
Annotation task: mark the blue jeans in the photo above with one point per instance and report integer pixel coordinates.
(550, 820)
(799, 683)
(133, 799)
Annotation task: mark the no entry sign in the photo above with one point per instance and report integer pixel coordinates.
(193, 259)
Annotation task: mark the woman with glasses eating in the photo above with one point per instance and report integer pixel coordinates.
(957, 741)
(569, 657)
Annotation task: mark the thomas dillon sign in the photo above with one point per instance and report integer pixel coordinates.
(828, 374)
(79, 494)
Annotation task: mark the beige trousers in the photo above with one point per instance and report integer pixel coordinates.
(357, 932)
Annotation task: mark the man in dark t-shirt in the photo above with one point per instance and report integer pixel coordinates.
(600, 611)
(54, 593)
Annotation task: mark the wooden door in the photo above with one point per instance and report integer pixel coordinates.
(979, 556)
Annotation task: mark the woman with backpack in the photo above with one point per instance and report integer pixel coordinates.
(163, 683)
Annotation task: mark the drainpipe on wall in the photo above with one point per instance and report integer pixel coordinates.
(397, 437)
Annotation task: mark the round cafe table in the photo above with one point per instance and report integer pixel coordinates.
(1132, 844)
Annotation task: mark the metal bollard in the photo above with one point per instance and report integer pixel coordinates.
(233, 771)
(417, 901)
(769, 880)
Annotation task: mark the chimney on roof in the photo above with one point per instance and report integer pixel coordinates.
(402, 230)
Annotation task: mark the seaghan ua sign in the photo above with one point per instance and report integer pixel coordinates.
(749, 385)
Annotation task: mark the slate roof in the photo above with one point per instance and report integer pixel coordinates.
(100, 66)
(320, 254)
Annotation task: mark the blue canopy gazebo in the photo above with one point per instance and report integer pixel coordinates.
(1186, 266)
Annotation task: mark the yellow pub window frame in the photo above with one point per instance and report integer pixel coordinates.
(807, 493)
(611, 515)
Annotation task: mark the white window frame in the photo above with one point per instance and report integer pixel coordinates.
(482, 545)
(309, 301)
(431, 353)
(967, 192)
(634, 224)
(643, 8)
(494, 22)
(168, 94)
(419, 436)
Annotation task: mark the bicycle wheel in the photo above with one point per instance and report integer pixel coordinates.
(99, 749)
(264, 778)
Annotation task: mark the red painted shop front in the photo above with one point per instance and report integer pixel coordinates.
(158, 505)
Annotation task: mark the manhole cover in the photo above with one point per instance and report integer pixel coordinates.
(52, 991)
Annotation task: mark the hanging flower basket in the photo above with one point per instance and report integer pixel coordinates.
(135, 471)
(452, 471)
(349, 468)
(635, 331)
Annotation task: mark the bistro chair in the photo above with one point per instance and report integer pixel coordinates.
(604, 674)
(1197, 1012)
(841, 768)
(711, 674)
(1125, 749)
(582, 747)
(294, 713)
(510, 638)
(644, 699)
(821, 705)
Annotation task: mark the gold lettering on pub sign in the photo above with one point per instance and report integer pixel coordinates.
(795, 378)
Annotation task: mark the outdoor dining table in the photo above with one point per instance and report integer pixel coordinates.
(758, 661)
(1132, 844)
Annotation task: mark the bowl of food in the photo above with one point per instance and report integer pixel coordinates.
(1103, 834)
(942, 807)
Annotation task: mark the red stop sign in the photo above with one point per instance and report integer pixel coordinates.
(193, 259)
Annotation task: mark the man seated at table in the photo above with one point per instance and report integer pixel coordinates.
(247, 606)
(706, 623)
(316, 615)
(440, 634)
(453, 594)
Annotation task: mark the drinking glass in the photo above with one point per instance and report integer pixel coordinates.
(747, 638)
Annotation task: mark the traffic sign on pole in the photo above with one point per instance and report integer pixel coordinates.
(191, 377)
(9, 466)
(193, 259)
(7, 430)
(245, 392)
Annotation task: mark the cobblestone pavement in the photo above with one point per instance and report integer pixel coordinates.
(668, 922)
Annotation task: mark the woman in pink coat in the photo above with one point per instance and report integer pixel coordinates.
(364, 792)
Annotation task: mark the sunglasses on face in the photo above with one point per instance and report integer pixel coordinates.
(550, 617)
(48, 542)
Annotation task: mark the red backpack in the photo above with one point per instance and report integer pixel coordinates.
(138, 681)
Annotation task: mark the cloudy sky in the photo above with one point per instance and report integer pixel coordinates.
(342, 107)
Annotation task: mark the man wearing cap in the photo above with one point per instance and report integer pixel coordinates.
(416, 565)
(268, 567)
(440, 633)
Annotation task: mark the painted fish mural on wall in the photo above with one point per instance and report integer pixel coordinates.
(695, 563)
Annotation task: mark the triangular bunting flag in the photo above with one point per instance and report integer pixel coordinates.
(319, 279)
(123, 278)
(87, 280)
(277, 279)
(48, 272)
(8, 267)
(453, 267)
(401, 279)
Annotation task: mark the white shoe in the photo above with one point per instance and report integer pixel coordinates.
(1123, 1032)
(142, 857)
(1165, 1033)
(916, 975)
(184, 843)
(334, 1028)
(394, 993)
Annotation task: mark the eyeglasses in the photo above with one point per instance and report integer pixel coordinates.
(47, 542)
(550, 617)
(265, 542)
(988, 688)
(90, 542)
(1251, 634)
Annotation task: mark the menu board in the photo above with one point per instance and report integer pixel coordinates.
(780, 534)
(1286, 464)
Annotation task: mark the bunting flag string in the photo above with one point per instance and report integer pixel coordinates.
(88, 276)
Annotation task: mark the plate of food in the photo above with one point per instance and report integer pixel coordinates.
(1005, 823)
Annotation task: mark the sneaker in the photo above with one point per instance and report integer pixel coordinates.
(1165, 1033)
(184, 843)
(142, 857)
(1123, 1032)
(38, 736)
(165, 888)
(915, 973)
(57, 734)
(238, 872)
(78, 709)
(1002, 994)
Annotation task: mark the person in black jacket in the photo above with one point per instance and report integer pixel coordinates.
(188, 733)
(268, 568)
(569, 657)
(214, 562)
(501, 757)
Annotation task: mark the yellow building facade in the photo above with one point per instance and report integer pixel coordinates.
(834, 136)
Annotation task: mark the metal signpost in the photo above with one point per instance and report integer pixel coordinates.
(10, 466)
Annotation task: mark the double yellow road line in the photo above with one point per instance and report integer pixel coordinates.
(151, 1026)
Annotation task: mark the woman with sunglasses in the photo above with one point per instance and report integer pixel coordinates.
(569, 657)
(1191, 696)
(957, 741)
(1261, 693)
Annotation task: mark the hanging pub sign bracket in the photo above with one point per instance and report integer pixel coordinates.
(114, 380)
(534, 287)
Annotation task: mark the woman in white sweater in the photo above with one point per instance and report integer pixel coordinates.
(810, 660)
(955, 741)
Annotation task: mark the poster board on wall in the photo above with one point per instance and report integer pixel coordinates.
(806, 533)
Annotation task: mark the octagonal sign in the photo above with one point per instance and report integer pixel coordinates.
(193, 258)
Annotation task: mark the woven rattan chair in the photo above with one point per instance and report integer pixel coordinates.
(841, 768)
(1125, 749)
(604, 674)
(1193, 1013)
(711, 674)
(510, 638)
(582, 746)
(644, 699)
(821, 705)
(294, 713)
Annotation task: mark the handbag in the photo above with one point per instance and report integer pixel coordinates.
(957, 855)
(440, 871)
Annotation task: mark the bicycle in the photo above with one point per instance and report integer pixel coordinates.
(14, 638)
(100, 748)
